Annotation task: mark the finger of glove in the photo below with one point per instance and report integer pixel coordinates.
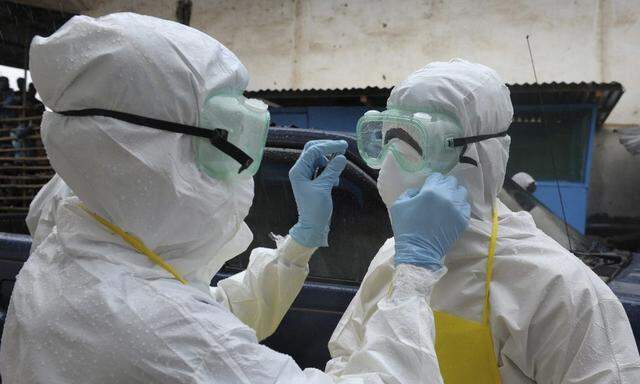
(314, 156)
(408, 194)
(445, 186)
(311, 143)
(466, 212)
(331, 175)
(461, 203)
(307, 163)
(434, 179)
(329, 147)
(449, 183)
(400, 205)
(459, 195)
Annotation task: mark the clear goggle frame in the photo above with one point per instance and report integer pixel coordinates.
(246, 122)
(417, 140)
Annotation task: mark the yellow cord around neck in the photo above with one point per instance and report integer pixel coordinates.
(136, 243)
(490, 259)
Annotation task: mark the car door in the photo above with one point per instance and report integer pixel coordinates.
(359, 227)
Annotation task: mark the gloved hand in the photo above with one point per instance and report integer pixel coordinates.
(428, 221)
(313, 197)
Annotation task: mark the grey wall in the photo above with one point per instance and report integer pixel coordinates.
(615, 177)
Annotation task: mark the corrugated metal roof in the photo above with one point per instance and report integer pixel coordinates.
(604, 95)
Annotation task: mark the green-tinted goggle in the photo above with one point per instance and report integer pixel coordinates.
(417, 140)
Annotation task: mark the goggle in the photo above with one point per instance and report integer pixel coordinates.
(417, 140)
(230, 141)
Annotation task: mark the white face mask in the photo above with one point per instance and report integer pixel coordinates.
(393, 181)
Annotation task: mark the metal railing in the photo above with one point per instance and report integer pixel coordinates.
(24, 166)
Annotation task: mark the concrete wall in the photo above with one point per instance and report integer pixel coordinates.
(615, 177)
(620, 49)
(355, 43)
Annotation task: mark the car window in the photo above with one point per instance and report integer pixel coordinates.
(359, 225)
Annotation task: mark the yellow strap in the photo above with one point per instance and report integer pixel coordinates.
(136, 243)
(492, 251)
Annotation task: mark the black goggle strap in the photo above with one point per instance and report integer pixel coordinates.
(465, 141)
(217, 136)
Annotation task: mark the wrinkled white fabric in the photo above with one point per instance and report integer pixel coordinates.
(87, 308)
(42, 210)
(553, 320)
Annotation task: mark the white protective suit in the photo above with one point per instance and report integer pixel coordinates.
(42, 210)
(552, 319)
(87, 308)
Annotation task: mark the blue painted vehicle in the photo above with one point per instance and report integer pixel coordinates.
(359, 227)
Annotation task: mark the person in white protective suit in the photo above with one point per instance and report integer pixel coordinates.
(154, 148)
(514, 306)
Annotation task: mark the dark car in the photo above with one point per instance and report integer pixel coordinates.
(360, 225)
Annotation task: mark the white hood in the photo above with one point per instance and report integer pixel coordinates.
(478, 97)
(141, 179)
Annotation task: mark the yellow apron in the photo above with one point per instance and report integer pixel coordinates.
(465, 348)
(136, 243)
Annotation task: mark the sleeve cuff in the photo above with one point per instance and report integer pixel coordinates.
(293, 252)
(411, 280)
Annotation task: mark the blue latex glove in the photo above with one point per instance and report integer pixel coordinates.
(313, 197)
(427, 222)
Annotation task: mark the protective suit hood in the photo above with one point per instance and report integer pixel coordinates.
(143, 180)
(478, 97)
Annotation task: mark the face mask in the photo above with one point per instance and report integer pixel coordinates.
(393, 181)
(434, 138)
(230, 141)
